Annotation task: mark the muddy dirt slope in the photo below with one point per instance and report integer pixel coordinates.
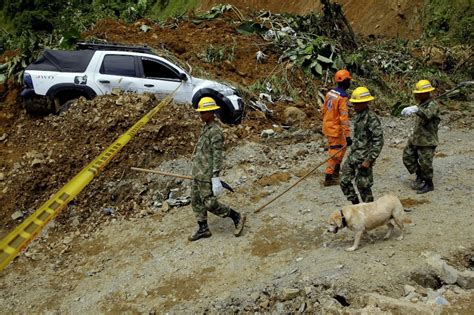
(371, 17)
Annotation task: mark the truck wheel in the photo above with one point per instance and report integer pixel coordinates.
(59, 107)
(66, 105)
(37, 107)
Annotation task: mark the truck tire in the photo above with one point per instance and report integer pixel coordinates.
(37, 106)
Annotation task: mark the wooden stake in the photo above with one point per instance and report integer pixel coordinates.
(299, 180)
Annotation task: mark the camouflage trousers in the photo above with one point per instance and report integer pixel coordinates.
(203, 200)
(364, 180)
(419, 160)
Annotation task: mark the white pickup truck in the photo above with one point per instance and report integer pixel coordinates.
(59, 77)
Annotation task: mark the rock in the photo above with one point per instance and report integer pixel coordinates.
(445, 272)
(439, 300)
(397, 306)
(108, 211)
(75, 222)
(264, 304)
(37, 161)
(17, 215)
(408, 289)
(289, 294)
(67, 240)
(302, 308)
(280, 308)
(308, 290)
(3, 137)
(2, 177)
(267, 133)
(165, 207)
(120, 101)
(412, 296)
(466, 279)
(293, 116)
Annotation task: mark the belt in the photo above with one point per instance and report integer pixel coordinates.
(332, 147)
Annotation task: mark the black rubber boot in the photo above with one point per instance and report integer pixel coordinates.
(239, 221)
(355, 201)
(366, 195)
(202, 232)
(418, 183)
(330, 180)
(337, 169)
(427, 187)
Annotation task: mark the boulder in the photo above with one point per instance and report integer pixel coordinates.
(397, 306)
(293, 116)
(289, 294)
(466, 279)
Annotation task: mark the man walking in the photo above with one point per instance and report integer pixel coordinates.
(366, 147)
(419, 152)
(336, 125)
(207, 163)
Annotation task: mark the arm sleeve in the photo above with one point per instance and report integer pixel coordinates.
(344, 117)
(217, 142)
(377, 139)
(428, 112)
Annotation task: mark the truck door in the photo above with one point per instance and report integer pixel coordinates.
(118, 72)
(161, 79)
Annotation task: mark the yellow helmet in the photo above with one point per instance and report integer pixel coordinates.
(423, 86)
(207, 104)
(361, 95)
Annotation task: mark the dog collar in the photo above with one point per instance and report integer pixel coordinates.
(344, 223)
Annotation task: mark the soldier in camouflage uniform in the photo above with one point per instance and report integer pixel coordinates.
(419, 152)
(366, 147)
(207, 163)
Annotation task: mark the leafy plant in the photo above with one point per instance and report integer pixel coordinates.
(213, 54)
(313, 56)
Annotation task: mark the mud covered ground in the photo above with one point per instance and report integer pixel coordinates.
(135, 257)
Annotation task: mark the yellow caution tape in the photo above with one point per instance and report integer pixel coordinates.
(19, 238)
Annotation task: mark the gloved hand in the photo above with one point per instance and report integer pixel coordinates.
(216, 186)
(348, 141)
(410, 110)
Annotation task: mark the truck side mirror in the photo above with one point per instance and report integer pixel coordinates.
(183, 77)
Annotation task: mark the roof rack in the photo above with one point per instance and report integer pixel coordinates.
(113, 46)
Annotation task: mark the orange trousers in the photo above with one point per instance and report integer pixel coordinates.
(335, 144)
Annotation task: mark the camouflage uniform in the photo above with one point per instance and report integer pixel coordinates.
(367, 144)
(207, 163)
(419, 152)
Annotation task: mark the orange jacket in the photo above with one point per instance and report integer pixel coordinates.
(335, 114)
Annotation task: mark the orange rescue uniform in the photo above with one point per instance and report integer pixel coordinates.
(336, 126)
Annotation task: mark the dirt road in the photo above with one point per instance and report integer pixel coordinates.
(145, 264)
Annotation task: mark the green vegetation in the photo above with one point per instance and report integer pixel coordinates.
(163, 9)
(450, 21)
(212, 54)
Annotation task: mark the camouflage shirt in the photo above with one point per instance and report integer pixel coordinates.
(368, 138)
(425, 133)
(207, 160)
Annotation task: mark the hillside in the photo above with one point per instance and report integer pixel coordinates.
(121, 245)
